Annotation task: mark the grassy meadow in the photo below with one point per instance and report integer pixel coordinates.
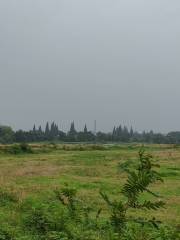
(87, 168)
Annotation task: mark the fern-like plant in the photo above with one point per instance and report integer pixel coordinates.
(67, 196)
(138, 182)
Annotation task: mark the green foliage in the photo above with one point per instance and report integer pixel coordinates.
(126, 166)
(19, 148)
(6, 134)
(7, 197)
(119, 134)
(42, 217)
(25, 148)
(146, 232)
(137, 183)
(62, 215)
(67, 196)
(39, 220)
(14, 149)
(6, 233)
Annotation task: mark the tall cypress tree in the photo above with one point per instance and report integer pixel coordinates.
(72, 134)
(52, 133)
(119, 133)
(40, 129)
(34, 128)
(85, 129)
(125, 135)
(47, 131)
(114, 134)
(56, 130)
(131, 132)
(72, 129)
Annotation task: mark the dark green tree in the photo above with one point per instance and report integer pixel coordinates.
(85, 129)
(34, 128)
(6, 134)
(47, 131)
(40, 129)
(72, 134)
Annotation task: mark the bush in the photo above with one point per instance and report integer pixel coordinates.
(44, 217)
(19, 148)
(14, 149)
(38, 219)
(25, 148)
(6, 233)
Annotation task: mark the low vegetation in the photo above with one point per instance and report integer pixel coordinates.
(93, 192)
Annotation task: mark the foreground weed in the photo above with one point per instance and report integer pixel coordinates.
(137, 183)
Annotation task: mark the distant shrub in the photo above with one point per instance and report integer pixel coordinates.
(53, 145)
(83, 147)
(97, 147)
(19, 148)
(25, 148)
(14, 149)
(66, 148)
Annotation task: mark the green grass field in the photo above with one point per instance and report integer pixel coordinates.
(88, 169)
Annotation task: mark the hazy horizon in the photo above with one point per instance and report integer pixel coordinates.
(113, 61)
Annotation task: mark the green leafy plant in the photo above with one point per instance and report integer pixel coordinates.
(67, 196)
(137, 183)
(38, 219)
(6, 233)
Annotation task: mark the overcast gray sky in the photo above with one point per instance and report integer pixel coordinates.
(116, 61)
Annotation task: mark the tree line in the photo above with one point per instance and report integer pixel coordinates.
(51, 132)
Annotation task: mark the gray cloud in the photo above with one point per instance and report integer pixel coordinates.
(110, 60)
